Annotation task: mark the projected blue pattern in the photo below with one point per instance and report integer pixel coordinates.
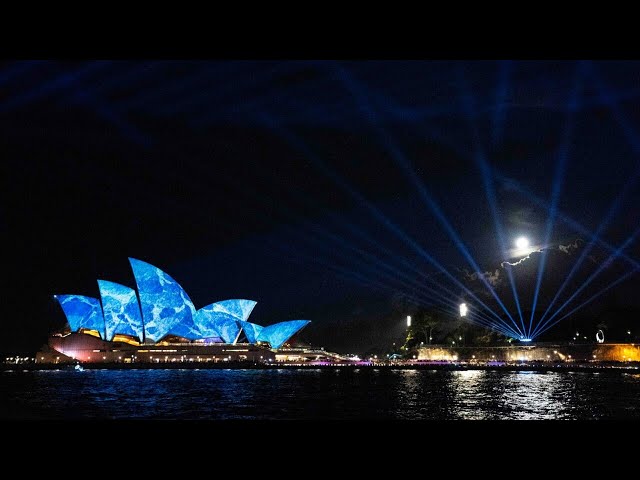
(229, 329)
(238, 308)
(221, 319)
(121, 310)
(279, 333)
(166, 307)
(251, 331)
(82, 312)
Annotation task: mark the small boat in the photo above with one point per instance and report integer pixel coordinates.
(79, 368)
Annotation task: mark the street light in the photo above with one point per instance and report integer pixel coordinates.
(463, 309)
(408, 321)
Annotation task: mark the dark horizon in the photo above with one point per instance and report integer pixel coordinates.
(257, 179)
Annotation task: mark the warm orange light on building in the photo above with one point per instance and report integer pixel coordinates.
(125, 339)
(93, 333)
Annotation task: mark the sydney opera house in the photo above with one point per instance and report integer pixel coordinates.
(159, 323)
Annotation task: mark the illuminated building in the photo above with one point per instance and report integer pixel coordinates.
(119, 327)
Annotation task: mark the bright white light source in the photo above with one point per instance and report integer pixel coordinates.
(522, 243)
(463, 309)
(408, 321)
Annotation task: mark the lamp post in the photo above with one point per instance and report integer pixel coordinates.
(463, 313)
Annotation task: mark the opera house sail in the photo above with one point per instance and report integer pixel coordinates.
(160, 312)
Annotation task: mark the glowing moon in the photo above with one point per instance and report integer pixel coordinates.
(522, 243)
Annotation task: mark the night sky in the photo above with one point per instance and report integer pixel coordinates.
(273, 180)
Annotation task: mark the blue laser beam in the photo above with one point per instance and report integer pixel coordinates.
(429, 293)
(558, 179)
(487, 181)
(591, 299)
(613, 210)
(364, 280)
(339, 180)
(595, 274)
(404, 163)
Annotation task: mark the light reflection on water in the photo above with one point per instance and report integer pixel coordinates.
(517, 395)
(319, 394)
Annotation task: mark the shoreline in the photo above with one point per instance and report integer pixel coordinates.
(633, 368)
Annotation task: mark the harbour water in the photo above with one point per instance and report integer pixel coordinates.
(331, 394)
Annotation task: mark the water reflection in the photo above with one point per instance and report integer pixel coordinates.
(318, 394)
(481, 395)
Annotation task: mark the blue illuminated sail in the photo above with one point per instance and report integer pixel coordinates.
(222, 319)
(82, 312)
(279, 333)
(121, 310)
(251, 331)
(166, 307)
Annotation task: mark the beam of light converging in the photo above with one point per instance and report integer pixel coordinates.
(295, 142)
(487, 182)
(361, 279)
(632, 137)
(558, 178)
(430, 280)
(426, 291)
(595, 274)
(389, 225)
(613, 209)
(591, 299)
(513, 185)
(403, 162)
(446, 296)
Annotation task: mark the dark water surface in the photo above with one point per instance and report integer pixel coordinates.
(318, 394)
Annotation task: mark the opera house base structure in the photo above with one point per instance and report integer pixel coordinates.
(159, 323)
(78, 347)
